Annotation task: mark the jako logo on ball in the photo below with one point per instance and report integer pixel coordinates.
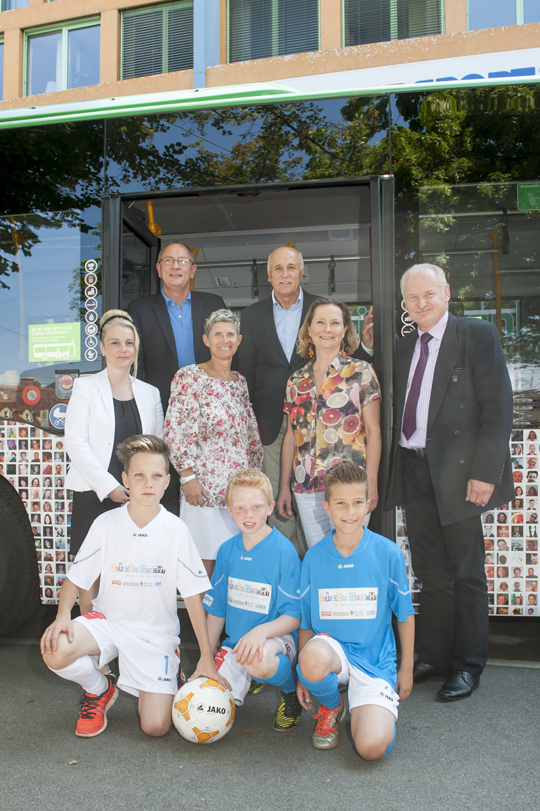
(203, 711)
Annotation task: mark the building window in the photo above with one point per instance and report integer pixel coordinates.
(496, 13)
(383, 20)
(62, 57)
(157, 39)
(261, 28)
(9, 5)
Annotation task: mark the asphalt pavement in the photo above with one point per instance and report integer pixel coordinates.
(480, 753)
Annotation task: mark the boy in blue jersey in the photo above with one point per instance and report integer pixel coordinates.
(255, 595)
(352, 581)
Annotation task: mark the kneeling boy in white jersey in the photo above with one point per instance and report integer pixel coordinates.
(352, 581)
(255, 595)
(143, 554)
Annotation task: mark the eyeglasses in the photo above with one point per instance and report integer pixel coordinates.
(170, 262)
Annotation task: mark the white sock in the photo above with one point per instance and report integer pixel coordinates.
(84, 672)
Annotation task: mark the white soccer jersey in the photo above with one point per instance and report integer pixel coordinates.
(140, 570)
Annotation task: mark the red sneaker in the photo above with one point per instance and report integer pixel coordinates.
(93, 715)
(326, 734)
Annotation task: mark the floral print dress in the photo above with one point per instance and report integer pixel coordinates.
(210, 426)
(328, 425)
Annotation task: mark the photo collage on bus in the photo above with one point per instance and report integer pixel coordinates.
(34, 462)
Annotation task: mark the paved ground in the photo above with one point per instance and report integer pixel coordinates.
(481, 753)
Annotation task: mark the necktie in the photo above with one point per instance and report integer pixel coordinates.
(409, 415)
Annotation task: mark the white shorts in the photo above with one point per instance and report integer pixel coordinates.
(237, 675)
(150, 665)
(209, 527)
(363, 689)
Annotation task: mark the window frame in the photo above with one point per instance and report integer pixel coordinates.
(520, 17)
(275, 22)
(139, 11)
(394, 32)
(56, 28)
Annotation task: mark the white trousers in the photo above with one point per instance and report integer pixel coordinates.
(315, 522)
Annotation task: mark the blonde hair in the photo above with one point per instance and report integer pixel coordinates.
(120, 318)
(249, 477)
(350, 339)
(142, 443)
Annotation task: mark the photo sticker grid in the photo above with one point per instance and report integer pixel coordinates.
(34, 462)
(510, 537)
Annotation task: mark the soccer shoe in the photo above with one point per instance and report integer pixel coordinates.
(289, 713)
(255, 687)
(93, 715)
(326, 733)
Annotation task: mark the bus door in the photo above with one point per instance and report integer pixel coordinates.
(344, 229)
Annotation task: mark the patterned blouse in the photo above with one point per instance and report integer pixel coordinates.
(328, 426)
(210, 426)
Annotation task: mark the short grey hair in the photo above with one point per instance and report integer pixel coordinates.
(288, 248)
(218, 316)
(424, 268)
(177, 242)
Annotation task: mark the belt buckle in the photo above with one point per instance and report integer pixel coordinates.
(421, 453)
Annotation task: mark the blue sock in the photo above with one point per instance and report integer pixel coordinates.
(284, 675)
(392, 744)
(325, 691)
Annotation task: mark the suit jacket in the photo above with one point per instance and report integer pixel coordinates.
(469, 420)
(158, 361)
(263, 363)
(89, 430)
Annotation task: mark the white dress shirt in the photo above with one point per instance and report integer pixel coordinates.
(418, 439)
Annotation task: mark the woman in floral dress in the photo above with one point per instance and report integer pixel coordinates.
(211, 430)
(333, 404)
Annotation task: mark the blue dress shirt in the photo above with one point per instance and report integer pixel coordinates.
(182, 326)
(288, 323)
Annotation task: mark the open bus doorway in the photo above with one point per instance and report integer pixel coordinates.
(343, 228)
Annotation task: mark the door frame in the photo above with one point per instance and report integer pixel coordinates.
(116, 214)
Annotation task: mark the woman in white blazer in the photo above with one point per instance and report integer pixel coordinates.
(103, 411)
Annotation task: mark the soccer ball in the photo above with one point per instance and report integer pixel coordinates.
(203, 711)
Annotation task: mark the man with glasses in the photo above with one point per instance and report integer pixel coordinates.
(170, 326)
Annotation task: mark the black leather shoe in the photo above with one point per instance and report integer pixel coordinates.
(423, 672)
(459, 684)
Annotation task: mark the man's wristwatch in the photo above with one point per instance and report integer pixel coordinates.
(185, 479)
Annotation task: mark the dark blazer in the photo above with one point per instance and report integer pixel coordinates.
(469, 421)
(158, 361)
(263, 363)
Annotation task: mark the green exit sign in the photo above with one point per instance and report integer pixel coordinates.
(528, 196)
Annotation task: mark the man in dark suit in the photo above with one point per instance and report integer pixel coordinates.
(450, 462)
(267, 357)
(170, 326)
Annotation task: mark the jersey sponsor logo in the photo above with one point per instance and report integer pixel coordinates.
(345, 565)
(138, 568)
(348, 604)
(249, 596)
(208, 599)
(137, 574)
(245, 557)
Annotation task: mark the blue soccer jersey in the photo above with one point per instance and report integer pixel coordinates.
(255, 587)
(352, 599)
